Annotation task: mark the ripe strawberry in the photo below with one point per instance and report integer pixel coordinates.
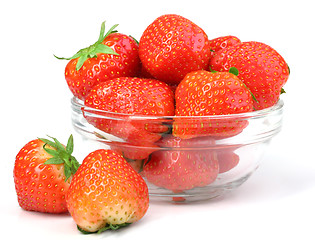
(173, 46)
(106, 193)
(42, 173)
(227, 159)
(113, 55)
(144, 73)
(122, 99)
(137, 165)
(134, 152)
(261, 68)
(202, 93)
(188, 166)
(219, 43)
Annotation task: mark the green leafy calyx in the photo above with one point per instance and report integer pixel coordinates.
(282, 91)
(105, 228)
(211, 70)
(94, 49)
(61, 155)
(234, 71)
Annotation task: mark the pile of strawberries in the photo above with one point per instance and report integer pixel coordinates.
(174, 71)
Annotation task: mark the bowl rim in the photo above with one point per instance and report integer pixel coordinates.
(78, 104)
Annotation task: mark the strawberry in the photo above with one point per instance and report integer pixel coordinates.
(227, 159)
(137, 165)
(187, 165)
(122, 100)
(202, 93)
(42, 173)
(113, 55)
(219, 43)
(106, 193)
(261, 68)
(144, 73)
(172, 46)
(133, 152)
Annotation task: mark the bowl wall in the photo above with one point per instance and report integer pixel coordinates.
(179, 161)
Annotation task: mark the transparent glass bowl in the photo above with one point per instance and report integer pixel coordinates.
(201, 166)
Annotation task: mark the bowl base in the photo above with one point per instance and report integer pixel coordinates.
(196, 194)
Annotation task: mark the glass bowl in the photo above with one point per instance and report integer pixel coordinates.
(186, 167)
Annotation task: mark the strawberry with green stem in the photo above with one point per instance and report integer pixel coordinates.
(112, 55)
(261, 68)
(42, 172)
(203, 93)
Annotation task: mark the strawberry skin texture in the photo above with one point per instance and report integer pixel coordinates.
(180, 170)
(134, 152)
(220, 43)
(133, 96)
(39, 187)
(106, 191)
(202, 93)
(227, 159)
(173, 46)
(105, 66)
(261, 68)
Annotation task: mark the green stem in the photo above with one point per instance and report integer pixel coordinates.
(94, 49)
(61, 155)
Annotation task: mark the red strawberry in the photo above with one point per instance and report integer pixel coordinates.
(144, 73)
(202, 93)
(131, 152)
(134, 152)
(113, 55)
(227, 159)
(137, 165)
(42, 173)
(219, 43)
(122, 99)
(173, 46)
(188, 166)
(106, 193)
(261, 68)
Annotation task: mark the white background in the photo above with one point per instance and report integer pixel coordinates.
(277, 202)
